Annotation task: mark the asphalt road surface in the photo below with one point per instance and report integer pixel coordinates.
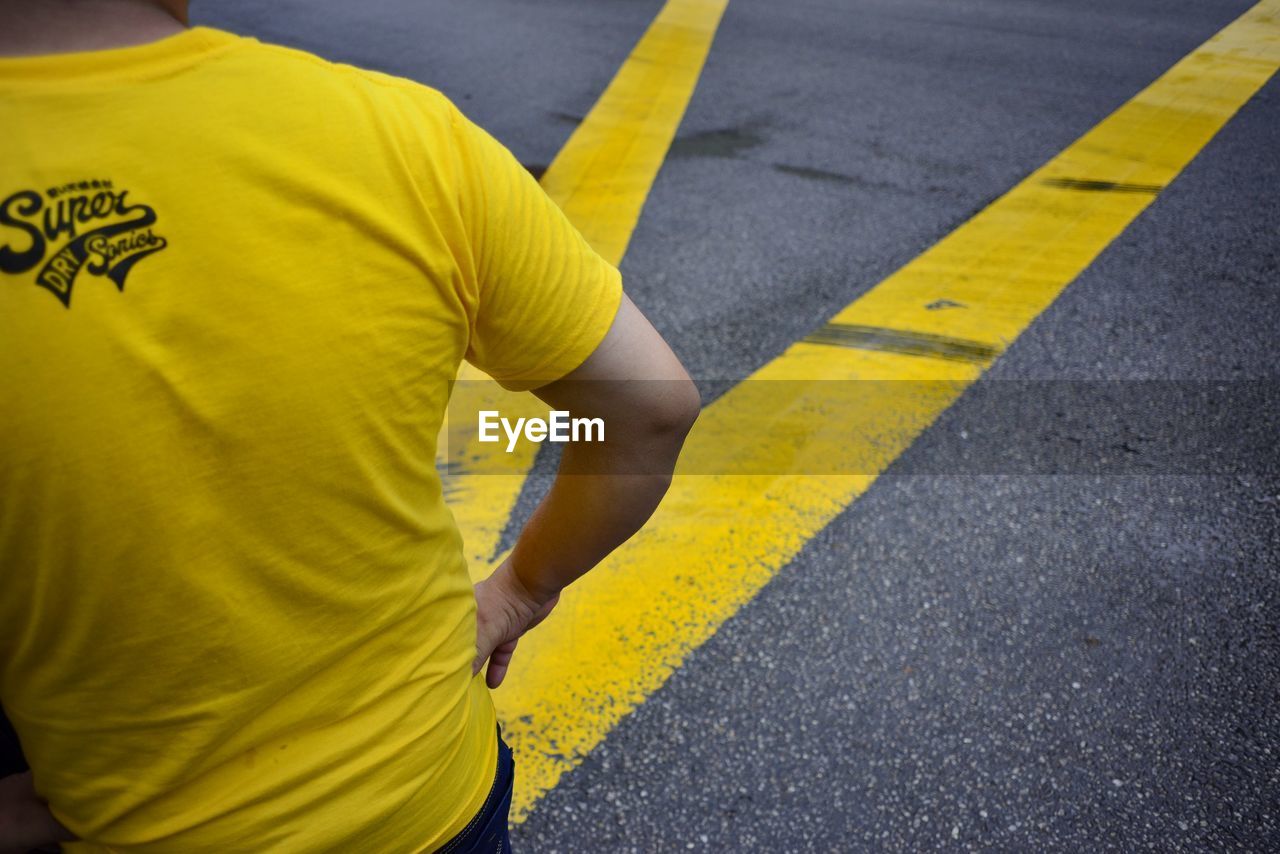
(977, 657)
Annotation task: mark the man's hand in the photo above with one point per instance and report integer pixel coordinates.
(505, 610)
(25, 820)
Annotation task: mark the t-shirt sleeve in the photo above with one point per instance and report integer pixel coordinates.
(543, 298)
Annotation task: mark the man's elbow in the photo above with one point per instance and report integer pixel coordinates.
(671, 417)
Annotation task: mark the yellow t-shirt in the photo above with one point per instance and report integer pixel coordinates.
(236, 282)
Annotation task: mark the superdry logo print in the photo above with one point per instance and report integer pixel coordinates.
(104, 234)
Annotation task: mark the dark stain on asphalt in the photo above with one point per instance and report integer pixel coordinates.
(843, 179)
(725, 142)
(569, 118)
(816, 174)
(1102, 186)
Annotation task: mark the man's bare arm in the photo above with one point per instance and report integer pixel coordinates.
(603, 492)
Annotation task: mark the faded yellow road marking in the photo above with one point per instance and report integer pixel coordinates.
(602, 176)
(600, 179)
(619, 632)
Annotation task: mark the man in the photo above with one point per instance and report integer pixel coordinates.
(236, 283)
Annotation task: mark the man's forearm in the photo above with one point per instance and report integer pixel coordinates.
(604, 492)
(582, 519)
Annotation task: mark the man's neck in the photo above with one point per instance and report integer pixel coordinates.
(35, 27)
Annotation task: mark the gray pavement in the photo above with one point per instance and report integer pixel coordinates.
(1068, 662)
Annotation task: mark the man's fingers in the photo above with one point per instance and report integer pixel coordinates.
(499, 660)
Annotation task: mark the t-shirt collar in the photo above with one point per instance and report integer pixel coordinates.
(164, 56)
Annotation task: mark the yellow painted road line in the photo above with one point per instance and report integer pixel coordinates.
(600, 179)
(602, 176)
(620, 632)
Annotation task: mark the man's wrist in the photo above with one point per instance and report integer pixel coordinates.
(528, 595)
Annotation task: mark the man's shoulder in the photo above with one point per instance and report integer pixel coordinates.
(325, 77)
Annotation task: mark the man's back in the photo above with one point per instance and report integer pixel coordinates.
(237, 282)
